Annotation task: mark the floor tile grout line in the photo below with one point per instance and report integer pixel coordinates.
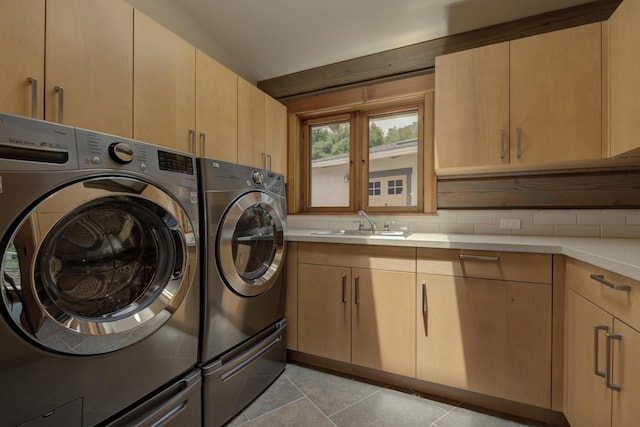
(310, 401)
(274, 410)
(356, 402)
(445, 414)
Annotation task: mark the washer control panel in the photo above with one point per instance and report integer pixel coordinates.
(104, 151)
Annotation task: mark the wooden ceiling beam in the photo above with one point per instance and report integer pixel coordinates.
(419, 58)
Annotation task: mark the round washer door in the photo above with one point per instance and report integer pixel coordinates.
(250, 244)
(98, 265)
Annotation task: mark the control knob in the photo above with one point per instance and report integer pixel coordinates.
(121, 153)
(257, 177)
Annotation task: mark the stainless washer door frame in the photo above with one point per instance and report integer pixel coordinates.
(230, 238)
(38, 309)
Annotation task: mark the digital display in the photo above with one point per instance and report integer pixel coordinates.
(175, 162)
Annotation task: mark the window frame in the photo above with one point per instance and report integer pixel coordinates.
(306, 162)
(375, 95)
(359, 156)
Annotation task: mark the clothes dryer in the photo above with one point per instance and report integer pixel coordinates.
(243, 246)
(99, 272)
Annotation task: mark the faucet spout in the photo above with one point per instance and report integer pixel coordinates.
(368, 218)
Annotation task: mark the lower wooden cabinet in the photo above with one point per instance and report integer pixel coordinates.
(479, 322)
(352, 314)
(485, 322)
(324, 311)
(383, 321)
(487, 336)
(603, 376)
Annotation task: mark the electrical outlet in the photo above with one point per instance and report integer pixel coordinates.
(510, 224)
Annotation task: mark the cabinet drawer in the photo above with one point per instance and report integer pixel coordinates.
(394, 258)
(512, 266)
(622, 303)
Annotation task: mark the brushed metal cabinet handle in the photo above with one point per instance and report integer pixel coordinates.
(269, 158)
(203, 143)
(60, 91)
(600, 279)
(357, 282)
(597, 328)
(264, 160)
(344, 287)
(464, 257)
(34, 96)
(607, 372)
(502, 143)
(519, 143)
(424, 298)
(192, 138)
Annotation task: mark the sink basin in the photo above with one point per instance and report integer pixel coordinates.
(363, 233)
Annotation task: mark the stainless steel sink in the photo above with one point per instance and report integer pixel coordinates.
(363, 233)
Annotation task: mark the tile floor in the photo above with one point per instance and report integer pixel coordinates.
(302, 396)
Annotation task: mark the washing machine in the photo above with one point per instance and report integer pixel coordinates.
(243, 247)
(99, 274)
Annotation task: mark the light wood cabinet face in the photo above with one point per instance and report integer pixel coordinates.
(164, 86)
(472, 107)
(251, 124)
(588, 400)
(487, 336)
(531, 100)
(22, 25)
(589, 303)
(216, 109)
(324, 314)
(556, 100)
(275, 144)
(383, 320)
(89, 52)
(626, 372)
(624, 86)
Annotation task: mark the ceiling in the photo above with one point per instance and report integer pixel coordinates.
(263, 39)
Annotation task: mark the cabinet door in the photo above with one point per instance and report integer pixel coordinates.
(22, 46)
(472, 107)
(588, 400)
(624, 80)
(626, 373)
(324, 311)
(216, 109)
(487, 336)
(556, 96)
(251, 122)
(164, 85)
(275, 144)
(383, 321)
(89, 53)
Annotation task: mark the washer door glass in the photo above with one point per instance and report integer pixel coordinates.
(251, 244)
(104, 274)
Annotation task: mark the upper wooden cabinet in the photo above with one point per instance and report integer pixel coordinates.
(251, 122)
(262, 124)
(89, 63)
(164, 86)
(531, 100)
(472, 107)
(624, 77)
(216, 109)
(275, 130)
(22, 26)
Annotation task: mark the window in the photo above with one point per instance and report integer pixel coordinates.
(364, 159)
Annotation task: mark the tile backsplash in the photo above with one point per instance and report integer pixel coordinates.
(578, 222)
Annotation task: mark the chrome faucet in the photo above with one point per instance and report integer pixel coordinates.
(368, 218)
